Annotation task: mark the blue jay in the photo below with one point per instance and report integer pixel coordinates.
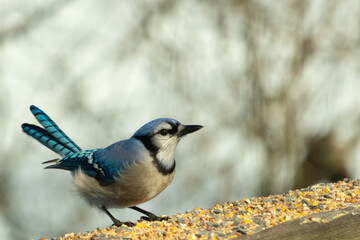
(122, 175)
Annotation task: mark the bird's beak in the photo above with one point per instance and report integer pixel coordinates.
(188, 129)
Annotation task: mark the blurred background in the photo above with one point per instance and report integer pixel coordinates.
(275, 85)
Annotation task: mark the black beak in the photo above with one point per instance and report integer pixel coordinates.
(189, 129)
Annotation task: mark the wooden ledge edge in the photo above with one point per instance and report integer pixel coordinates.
(339, 224)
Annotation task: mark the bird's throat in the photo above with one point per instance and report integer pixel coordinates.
(164, 167)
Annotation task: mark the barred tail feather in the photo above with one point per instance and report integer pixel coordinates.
(46, 139)
(53, 130)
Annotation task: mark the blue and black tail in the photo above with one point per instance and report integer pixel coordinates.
(51, 135)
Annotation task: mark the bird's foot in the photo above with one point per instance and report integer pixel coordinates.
(118, 223)
(152, 217)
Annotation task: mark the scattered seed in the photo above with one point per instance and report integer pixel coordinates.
(238, 217)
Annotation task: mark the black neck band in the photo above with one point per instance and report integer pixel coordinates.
(162, 169)
(153, 151)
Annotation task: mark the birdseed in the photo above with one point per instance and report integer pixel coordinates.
(236, 218)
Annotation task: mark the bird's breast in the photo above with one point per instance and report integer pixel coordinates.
(139, 183)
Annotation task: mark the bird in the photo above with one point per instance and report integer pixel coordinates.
(124, 174)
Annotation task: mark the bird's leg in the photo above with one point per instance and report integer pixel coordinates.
(149, 216)
(116, 222)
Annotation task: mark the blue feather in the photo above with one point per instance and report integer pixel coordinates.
(105, 164)
(46, 139)
(89, 163)
(53, 129)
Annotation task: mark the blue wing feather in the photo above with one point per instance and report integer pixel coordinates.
(106, 163)
(89, 163)
(53, 129)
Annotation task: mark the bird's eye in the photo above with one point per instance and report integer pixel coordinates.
(163, 132)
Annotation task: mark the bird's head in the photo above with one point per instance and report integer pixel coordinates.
(161, 137)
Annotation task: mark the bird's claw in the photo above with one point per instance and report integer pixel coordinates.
(153, 217)
(118, 223)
